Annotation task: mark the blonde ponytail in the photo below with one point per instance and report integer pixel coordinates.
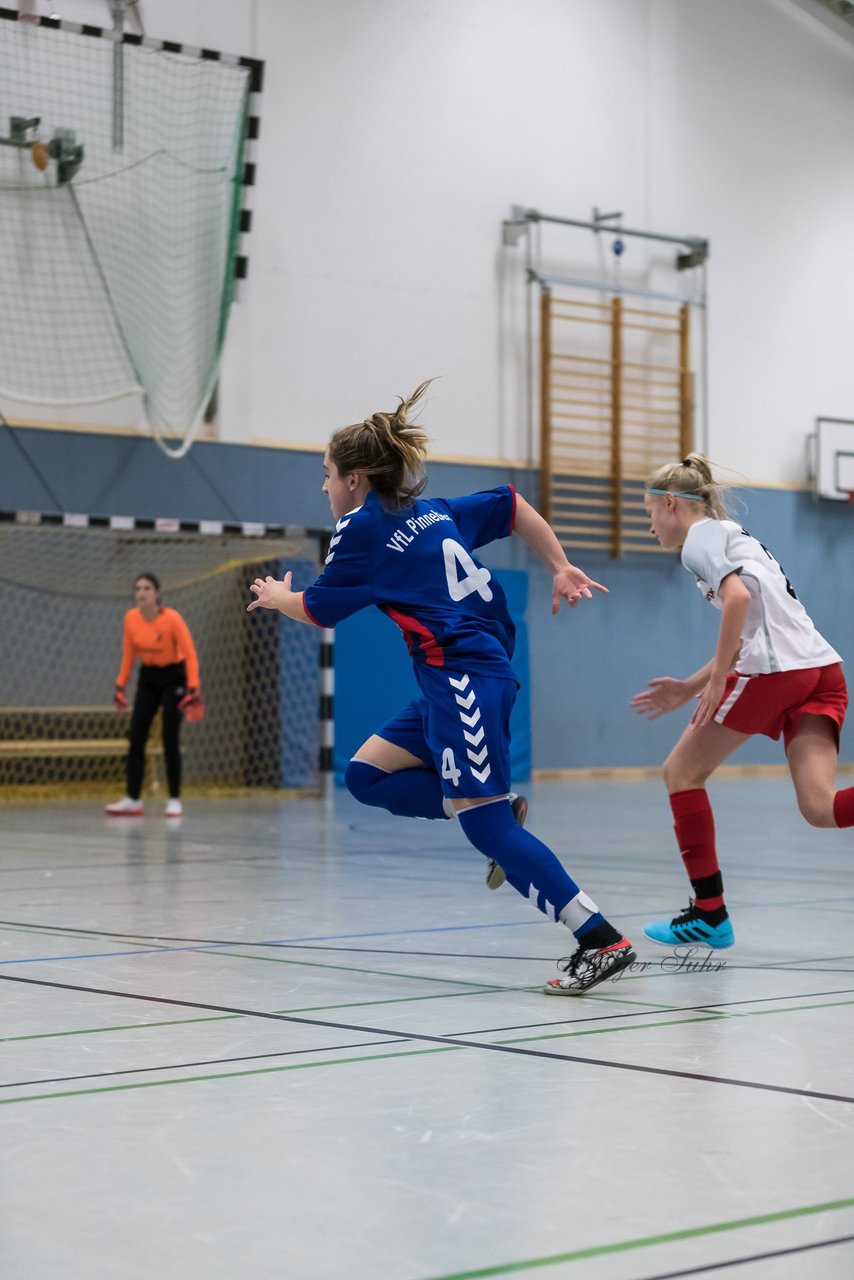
(692, 478)
(388, 448)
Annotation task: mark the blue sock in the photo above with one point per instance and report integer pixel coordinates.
(409, 793)
(530, 866)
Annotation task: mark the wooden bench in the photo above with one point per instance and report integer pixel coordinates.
(65, 747)
(53, 731)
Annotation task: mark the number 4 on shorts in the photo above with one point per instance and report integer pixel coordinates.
(449, 767)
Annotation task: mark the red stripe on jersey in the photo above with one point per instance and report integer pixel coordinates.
(512, 489)
(416, 632)
(308, 612)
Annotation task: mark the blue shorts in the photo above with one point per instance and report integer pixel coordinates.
(462, 728)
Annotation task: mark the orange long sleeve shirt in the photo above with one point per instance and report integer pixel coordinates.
(158, 643)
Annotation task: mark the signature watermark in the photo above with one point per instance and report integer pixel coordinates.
(682, 960)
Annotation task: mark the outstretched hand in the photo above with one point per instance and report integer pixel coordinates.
(710, 700)
(572, 584)
(270, 593)
(663, 694)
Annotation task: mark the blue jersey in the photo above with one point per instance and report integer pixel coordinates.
(418, 566)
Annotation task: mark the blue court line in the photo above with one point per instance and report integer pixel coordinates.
(102, 955)
(211, 947)
(285, 942)
(271, 942)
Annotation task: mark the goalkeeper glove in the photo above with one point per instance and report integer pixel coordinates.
(191, 705)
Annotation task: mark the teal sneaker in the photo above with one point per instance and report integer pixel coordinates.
(691, 926)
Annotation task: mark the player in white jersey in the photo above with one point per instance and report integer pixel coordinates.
(449, 751)
(772, 673)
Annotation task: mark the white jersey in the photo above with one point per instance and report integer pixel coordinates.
(778, 634)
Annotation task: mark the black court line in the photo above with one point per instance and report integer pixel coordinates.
(457, 1041)
(361, 1044)
(780, 964)
(706, 1007)
(773, 966)
(205, 1062)
(651, 965)
(635, 1012)
(748, 1258)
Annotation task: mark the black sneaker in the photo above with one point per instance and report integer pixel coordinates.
(495, 876)
(586, 967)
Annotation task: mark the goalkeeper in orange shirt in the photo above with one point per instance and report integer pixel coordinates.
(168, 677)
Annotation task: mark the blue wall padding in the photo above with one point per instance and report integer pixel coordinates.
(299, 687)
(585, 664)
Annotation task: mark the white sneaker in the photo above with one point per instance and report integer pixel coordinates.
(124, 808)
(174, 809)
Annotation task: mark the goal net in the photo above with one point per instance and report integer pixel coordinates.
(120, 173)
(64, 591)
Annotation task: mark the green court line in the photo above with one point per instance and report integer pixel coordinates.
(348, 968)
(593, 1031)
(365, 1004)
(792, 1008)
(723, 1016)
(641, 1004)
(644, 1242)
(385, 973)
(444, 995)
(128, 1026)
(234, 1017)
(402, 1053)
(418, 977)
(228, 1075)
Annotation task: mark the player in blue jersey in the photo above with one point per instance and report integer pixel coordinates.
(448, 752)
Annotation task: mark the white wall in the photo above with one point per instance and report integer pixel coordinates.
(396, 134)
(396, 138)
(752, 139)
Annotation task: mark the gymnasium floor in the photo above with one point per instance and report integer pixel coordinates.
(299, 1039)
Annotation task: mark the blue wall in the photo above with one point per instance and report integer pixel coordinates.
(585, 664)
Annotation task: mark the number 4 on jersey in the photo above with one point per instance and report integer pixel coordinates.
(473, 578)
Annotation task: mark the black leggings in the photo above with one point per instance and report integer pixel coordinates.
(157, 686)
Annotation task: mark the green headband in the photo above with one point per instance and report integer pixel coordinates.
(695, 497)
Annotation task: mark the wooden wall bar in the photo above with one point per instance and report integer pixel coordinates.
(616, 392)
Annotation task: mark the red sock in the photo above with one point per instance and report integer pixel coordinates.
(843, 808)
(695, 833)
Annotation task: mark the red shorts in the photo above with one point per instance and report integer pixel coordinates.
(774, 704)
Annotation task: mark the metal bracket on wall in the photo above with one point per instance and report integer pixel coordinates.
(613, 378)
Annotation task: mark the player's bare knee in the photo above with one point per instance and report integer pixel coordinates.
(678, 778)
(817, 810)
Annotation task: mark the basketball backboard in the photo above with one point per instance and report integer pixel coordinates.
(831, 450)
